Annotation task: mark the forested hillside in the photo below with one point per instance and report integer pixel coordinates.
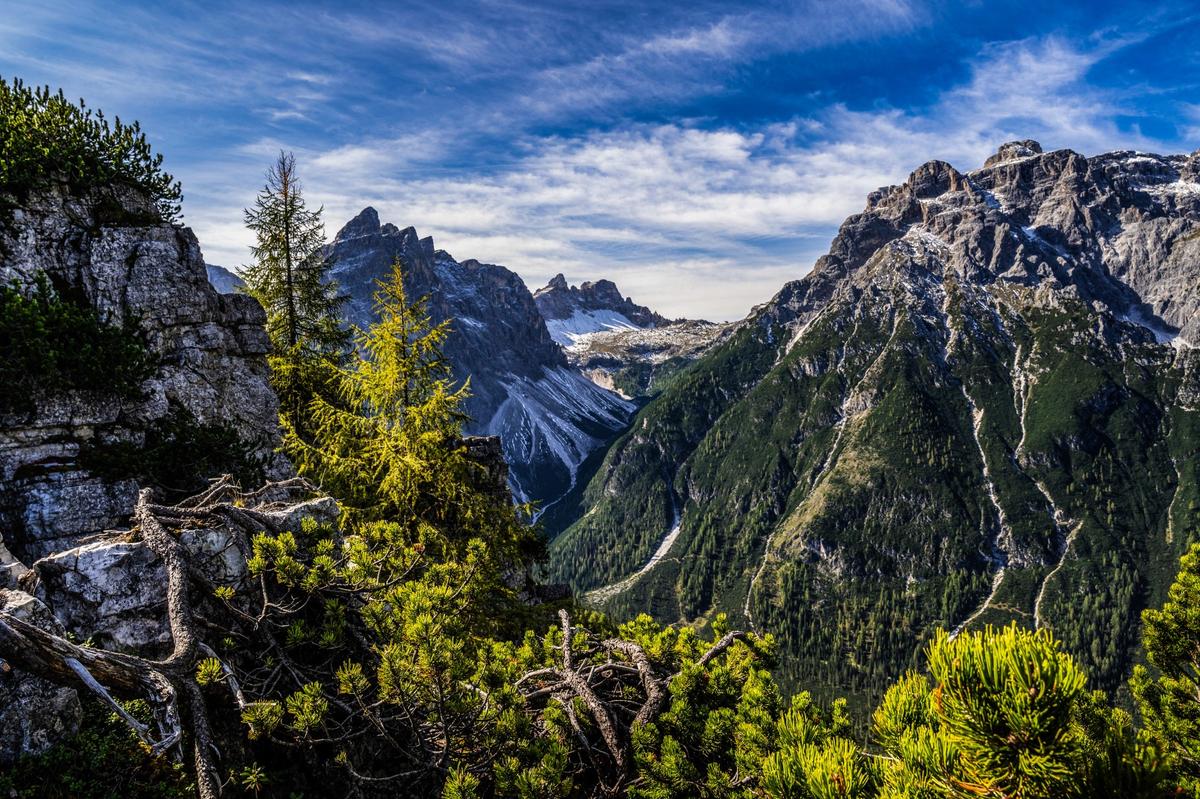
(981, 406)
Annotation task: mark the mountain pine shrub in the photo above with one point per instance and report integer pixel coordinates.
(44, 137)
(50, 343)
(1168, 696)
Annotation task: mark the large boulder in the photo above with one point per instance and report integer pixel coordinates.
(111, 590)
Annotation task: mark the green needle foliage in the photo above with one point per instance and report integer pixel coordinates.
(1169, 702)
(44, 138)
(290, 279)
(290, 274)
(1005, 700)
(388, 439)
(50, 343)
(1002, 714)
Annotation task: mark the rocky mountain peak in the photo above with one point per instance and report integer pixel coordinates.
(604, 291)
(1114, 229)
(1191, 168)
(590, 307)
(366, 223)
(976, 359)
(935, 178)
(1011, 151)
(549, 416)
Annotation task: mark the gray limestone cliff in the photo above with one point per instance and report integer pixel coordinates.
(208, 356)
(208, 349)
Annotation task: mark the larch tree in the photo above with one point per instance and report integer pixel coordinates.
(1169, 700)
(387, 439)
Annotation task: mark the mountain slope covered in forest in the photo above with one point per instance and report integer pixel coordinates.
(983, 404)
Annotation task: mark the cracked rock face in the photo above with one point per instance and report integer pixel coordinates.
(34, 713)
(111, 590)
(210, 348)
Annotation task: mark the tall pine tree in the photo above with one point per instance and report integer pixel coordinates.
(290, 278)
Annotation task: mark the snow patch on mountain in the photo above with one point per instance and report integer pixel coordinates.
(561, 414)
(1161, 333)
(574, 329)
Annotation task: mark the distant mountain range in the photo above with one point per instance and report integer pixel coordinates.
(513, 346)
(550, 418)
(617, 343)
(572, 312)
(982, 405)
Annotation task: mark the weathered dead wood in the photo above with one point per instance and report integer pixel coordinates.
(171, 681)
(602, 688)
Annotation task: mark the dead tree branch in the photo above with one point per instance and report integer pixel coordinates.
(602, 679)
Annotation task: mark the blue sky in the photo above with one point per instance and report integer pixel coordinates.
(701, 154)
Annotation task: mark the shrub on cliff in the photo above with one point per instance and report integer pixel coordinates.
(44, 137)
(50, 343)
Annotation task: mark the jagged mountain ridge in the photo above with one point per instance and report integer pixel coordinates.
(591, 307)
(981, 405)
(549, 416)
(618, 344)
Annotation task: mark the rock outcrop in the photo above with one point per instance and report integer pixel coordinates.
(209, 348)
(34, 713)
(549, 417)
(110, 590)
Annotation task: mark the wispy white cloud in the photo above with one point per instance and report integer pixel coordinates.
(436, 114)
(697, 59)
(707, 222)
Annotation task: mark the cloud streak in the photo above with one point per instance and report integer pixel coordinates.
(710, 221)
